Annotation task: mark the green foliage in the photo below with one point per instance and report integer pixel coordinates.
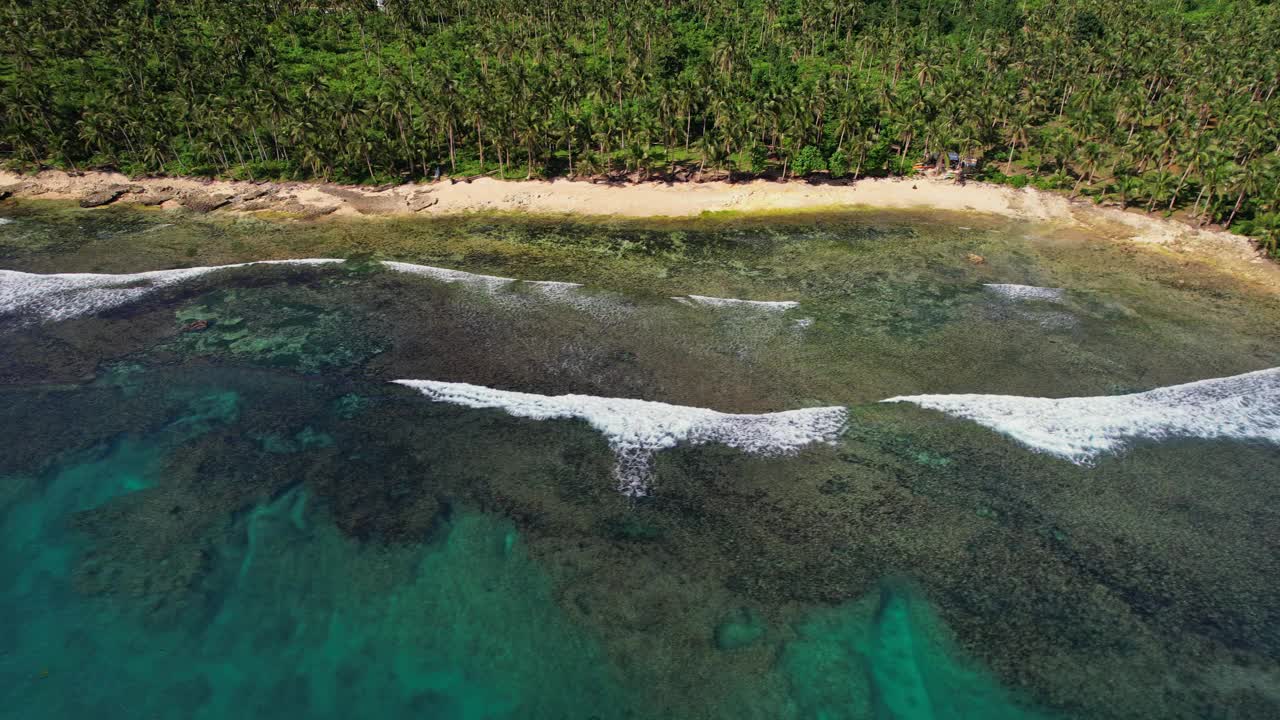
(991, 174)
(809, 161)
(346, 90)
(838, 164)
(1087, 27)
(759, 158)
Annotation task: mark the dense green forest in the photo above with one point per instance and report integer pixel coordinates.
(1163, 104)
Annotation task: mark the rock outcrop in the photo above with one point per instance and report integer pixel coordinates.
(205, 202)
(107, 195)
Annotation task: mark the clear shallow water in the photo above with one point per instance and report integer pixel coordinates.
(248, 518)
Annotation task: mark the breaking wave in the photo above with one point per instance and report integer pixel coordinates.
(637, 429)
(488, 283)
(69, 295)
(1080, 429)
(48, 298)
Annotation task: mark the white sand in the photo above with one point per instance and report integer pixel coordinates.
(655, 199)
(651, 199)
(1080, 429)
(637, 429)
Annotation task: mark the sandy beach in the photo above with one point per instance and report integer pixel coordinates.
(631, 200)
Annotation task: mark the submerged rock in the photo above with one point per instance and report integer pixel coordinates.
(889, 656)
(741, 629)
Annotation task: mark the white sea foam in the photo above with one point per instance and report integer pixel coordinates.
(601, 305)
(504, 289)
(68, 295)
(1027, 292)
(5, 221)
(767, 305)
(637, 429)
(481, 282)
(1080, 429)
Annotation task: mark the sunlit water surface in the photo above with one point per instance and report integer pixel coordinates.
(214, 503)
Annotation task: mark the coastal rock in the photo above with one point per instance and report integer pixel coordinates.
(155, 198)
(369, 203)
(421, 200)
(253, 194)
(305, 212)
(106, 196)
(205, 202)
(266, 203)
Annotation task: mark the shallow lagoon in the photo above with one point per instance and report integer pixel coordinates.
(215, 504)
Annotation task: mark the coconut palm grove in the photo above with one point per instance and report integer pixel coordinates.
(1164, 104)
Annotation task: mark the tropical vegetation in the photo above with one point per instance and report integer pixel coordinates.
(1167, 105)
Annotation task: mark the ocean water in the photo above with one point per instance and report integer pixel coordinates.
(503, 467)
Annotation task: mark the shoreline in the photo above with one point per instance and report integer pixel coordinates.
(651, 200)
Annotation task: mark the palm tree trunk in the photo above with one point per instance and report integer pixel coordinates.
(1236, 209)
(1178, 189)
(453, 163)
(1195, 207)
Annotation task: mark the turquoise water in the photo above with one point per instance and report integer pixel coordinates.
(213, 503)
(280, 612)
(463, 627)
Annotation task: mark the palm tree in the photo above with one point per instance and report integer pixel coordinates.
(1158, 185)
(1125, 183)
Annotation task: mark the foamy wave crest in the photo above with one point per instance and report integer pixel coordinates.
(46, 298)
(1026, 292)
(638, 429)
(69, 295)
(1242, 407)
(5, 221)
(767, 305)
(481, 282)
(567, 293)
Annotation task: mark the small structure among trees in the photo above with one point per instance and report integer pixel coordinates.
(948, 161)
